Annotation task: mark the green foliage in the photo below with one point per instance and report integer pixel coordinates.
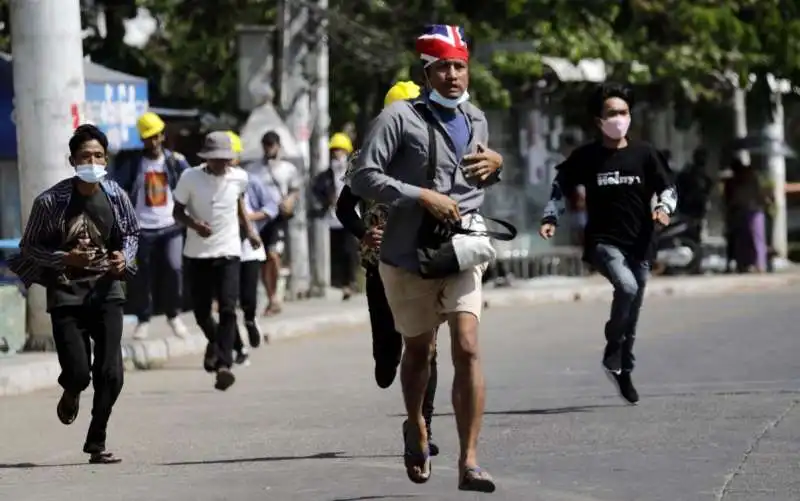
(677, 50)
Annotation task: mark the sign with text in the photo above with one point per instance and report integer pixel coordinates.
(114, 108)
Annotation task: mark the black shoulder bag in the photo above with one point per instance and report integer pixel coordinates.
(445, 249)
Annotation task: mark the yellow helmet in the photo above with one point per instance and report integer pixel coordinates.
(341, 141)
(236, 142)
(149, 125)
(401, 91)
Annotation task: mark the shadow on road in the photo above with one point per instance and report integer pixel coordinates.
(536, 412)
(28, 466)
(321, 455)
(388, 496)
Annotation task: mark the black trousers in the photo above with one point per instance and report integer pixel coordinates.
(344, 258)
(216, 278)
(387, 343)
(249, 276)
(74, 327)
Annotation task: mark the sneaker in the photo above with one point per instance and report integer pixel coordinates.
(178, 327)
(253, 334)
(241, 357)
(225, 379)
(142, 331)
(622, 380)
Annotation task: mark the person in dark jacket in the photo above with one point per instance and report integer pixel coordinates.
(387, 343)
(149, 178)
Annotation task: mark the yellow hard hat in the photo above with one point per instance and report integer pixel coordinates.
(341, 141)
(149, 125)
(236, 142)
(401, 91)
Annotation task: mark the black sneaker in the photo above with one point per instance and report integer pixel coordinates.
(241, 358)
(432, 448)
(624, 384)
(225, 379)
(253, 334)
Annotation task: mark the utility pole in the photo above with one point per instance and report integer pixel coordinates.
(49, 91)
(319, 236)
(776, 162)
(292, 101)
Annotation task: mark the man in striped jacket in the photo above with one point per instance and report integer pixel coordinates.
(80, 243)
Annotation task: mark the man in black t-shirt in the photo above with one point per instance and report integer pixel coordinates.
(621, 177)
(80, 243)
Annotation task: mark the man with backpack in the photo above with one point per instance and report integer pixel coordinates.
(149, 178)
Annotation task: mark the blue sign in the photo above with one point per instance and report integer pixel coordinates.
(114, 108)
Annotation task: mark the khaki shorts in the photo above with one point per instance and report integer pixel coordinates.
(420, 305)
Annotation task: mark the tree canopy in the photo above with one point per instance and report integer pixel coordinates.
(677, 49)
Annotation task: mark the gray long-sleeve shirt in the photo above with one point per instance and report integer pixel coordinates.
(391, 168)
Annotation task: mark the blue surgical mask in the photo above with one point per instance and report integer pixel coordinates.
(90, 173)
(447, 102)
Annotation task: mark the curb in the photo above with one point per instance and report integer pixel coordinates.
(152, 354)
(31, 376)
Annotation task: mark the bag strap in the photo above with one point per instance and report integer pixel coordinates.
(433, 160)
(497, 235)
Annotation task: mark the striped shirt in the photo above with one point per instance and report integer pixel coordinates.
(39, 256)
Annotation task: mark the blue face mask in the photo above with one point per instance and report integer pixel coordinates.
(447, 102)
(90, 173)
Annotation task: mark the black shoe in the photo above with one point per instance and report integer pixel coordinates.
(210, 358)
(433, 449)
(68, 407)
(225, 379)
(385, 373)
(253, 334)
(241, 357)
(625, 385)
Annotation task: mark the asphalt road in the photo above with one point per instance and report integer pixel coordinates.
(718, 418)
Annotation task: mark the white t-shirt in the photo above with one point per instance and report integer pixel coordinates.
(213, 199)
(248, 253)
(154, 202)
(281, 174)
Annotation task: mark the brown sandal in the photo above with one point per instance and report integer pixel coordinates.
(476, 480)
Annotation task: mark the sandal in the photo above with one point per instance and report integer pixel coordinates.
(476, 480)
(104, 458)
(418, 462)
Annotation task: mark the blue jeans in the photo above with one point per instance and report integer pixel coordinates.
(160, 252)
(629, 277)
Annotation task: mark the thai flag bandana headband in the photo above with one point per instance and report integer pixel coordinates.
(441, 41)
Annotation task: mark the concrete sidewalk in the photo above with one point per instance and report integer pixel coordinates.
(25, 373)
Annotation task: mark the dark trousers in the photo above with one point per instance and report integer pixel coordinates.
(249, 276)
(216, 278)
(387, 343)
(159, 254)
(74, 327)
(344, 258)
(629, 278)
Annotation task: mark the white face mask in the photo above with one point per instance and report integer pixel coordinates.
(616, 127)
(448, 102)
(90, 173)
